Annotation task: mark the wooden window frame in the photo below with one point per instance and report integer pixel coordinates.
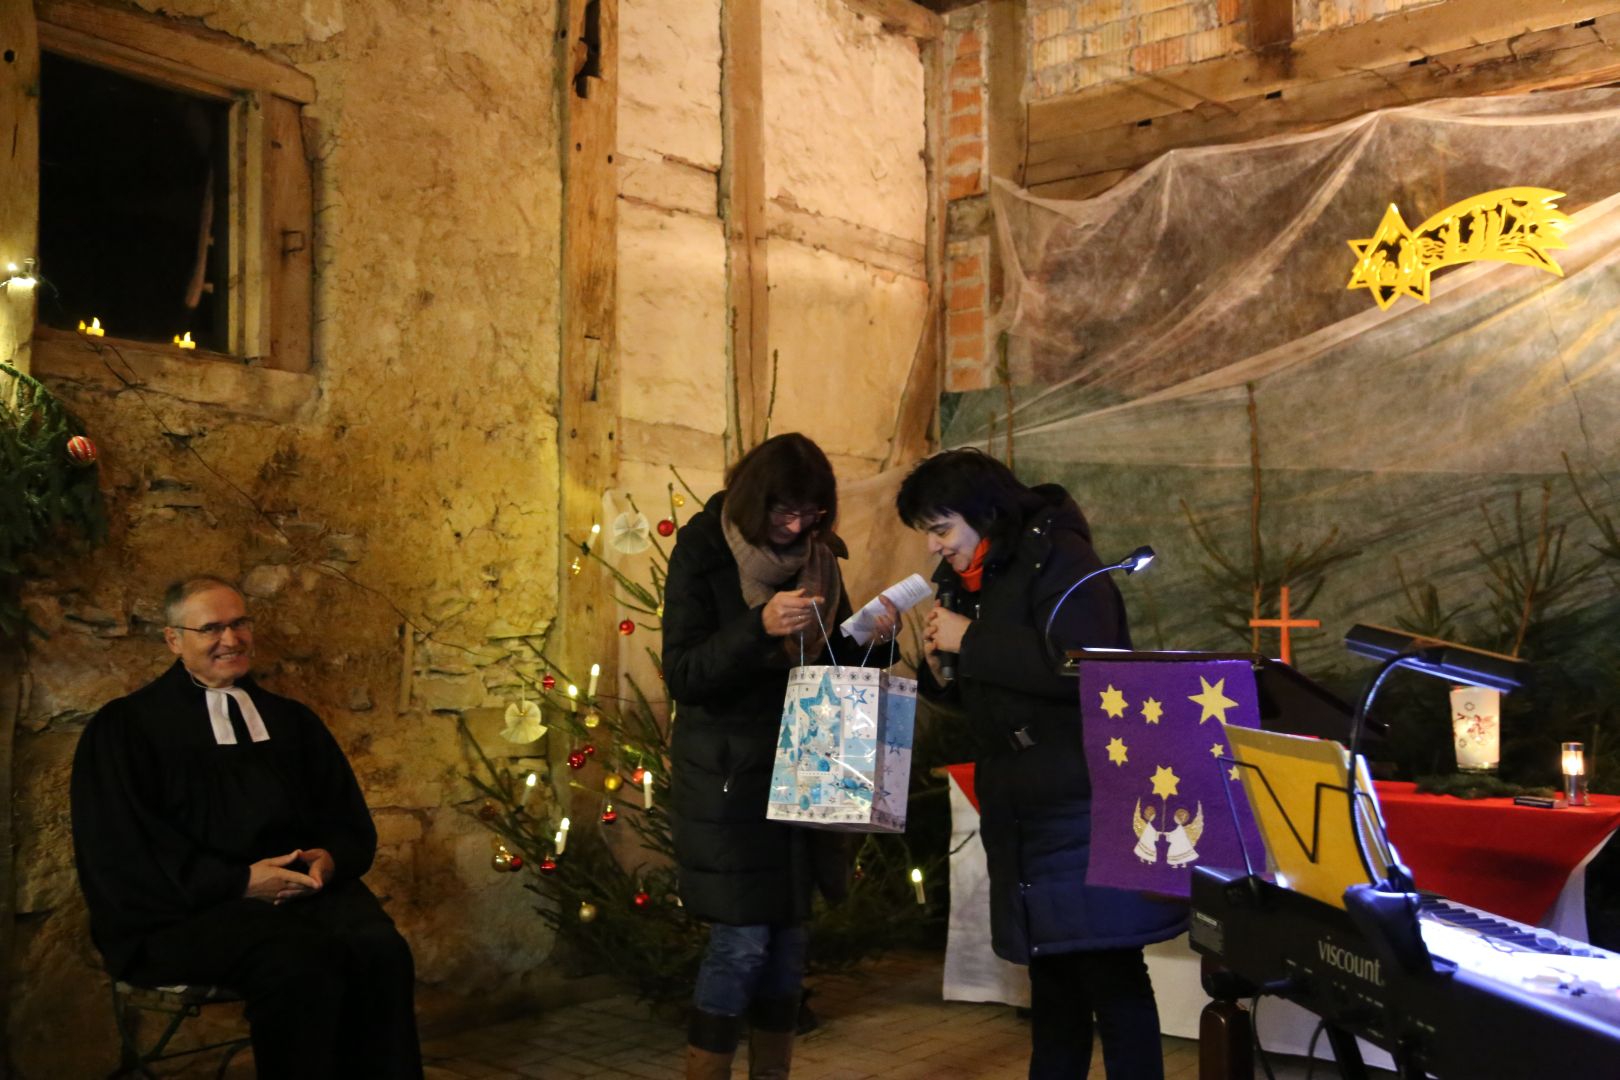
(270, 287)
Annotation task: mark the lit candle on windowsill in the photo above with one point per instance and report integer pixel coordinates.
(917, 885)
(562, 837)
(185, 342)
(1574, 766)
(93, 330)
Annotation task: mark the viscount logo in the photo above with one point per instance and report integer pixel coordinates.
(1361, 967)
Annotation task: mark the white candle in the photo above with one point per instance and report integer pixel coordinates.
(562, 837)
(596, 530)
(646, 789)
(573, 698)
(596, 670)
(528, 789)
(916, 883)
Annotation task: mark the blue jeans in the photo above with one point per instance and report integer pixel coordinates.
(747, 963)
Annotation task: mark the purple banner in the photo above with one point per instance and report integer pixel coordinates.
(1154, 742)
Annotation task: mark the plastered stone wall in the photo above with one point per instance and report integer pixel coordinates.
(396, 539)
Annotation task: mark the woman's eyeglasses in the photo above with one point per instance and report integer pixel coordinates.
(787, 515)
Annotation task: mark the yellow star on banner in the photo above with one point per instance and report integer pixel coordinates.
(1217, 750)
(1212, 699)
(1165, 781)
(1233, 772)
(1116, 751)
(1113, 702)
(1151, 711)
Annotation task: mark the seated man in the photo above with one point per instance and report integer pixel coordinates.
(220, 837)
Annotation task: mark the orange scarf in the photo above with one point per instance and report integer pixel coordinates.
(973, 576)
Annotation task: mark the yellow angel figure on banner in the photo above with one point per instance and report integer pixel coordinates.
(1513, 225)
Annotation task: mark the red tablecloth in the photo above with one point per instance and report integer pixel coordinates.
(1488, 853)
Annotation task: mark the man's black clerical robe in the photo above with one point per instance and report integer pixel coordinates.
(166, 820)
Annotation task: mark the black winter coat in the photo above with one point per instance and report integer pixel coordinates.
(728, 679)
(1035, 803)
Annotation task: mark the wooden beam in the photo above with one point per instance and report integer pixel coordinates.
(1406, 36)
(1006, 117)
(903, 16)
(19, 198)
(743, 209)
(1271, 22)
(179, 50)
(588, 397)
(848, 239)
(1565, 57)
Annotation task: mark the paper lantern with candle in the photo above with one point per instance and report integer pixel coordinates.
(1476, 724)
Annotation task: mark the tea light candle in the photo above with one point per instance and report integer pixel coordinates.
(1574, 766)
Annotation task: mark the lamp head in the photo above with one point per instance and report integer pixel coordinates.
(1137, 560)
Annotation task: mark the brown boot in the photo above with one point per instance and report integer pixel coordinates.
(773, 1022)
(711, 1044)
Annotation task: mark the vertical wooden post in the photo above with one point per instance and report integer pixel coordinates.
(588, 401)
(743, 209)
(19, 192)
(1271, 22)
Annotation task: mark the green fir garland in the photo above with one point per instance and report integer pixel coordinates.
(46, 497)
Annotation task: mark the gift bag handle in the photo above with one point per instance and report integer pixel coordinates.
(815, 607)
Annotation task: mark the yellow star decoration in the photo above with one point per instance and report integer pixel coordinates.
(1513, 225)
(1212, 699)
(1232, 772)
(1165, 781)
(1113, 702)
(1151, 711)
(1217, 750)
(1116, 751)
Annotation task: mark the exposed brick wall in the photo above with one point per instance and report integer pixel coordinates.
(965, 91)
(966, 177)
(1075, 44)
(967, 364)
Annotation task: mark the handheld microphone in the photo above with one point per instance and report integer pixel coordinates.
(947, 660)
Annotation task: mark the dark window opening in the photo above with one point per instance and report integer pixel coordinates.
(134, 204)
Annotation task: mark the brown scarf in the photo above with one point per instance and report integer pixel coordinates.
(765, 571)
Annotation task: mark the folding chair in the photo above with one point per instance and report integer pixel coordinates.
(178, 1004)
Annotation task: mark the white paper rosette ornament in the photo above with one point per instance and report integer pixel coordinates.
(631, 533)
(523, 722)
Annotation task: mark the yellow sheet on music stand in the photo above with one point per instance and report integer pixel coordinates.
(1298, 789)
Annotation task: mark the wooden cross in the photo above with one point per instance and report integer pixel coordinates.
(1285, 624)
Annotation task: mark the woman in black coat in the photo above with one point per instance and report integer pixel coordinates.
(1008, 554)
(753, 581)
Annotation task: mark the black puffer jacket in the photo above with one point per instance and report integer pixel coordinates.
(1034, 803)
(728, 679)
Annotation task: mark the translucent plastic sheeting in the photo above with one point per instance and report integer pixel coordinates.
(1141, 321)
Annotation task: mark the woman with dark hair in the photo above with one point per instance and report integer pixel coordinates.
(1007, 555)
(753, 585)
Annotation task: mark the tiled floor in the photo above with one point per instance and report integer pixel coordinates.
(884, 1020)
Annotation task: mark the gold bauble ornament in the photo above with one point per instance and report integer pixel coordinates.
(678, 499)
(587, 912)
(610, 782)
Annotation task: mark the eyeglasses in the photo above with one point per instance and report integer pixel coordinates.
(786, 515)
(215, 630)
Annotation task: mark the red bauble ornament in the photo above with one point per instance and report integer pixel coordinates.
(548, 681)
(548, 865)
(666, 528)
(576, 760)
(588, 750)
(81, 450)
(627, 627)
(638, 775)
(517, 863)
(642, 899)
(609, 815)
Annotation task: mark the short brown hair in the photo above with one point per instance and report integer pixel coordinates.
(787, 469)
(184, 589)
